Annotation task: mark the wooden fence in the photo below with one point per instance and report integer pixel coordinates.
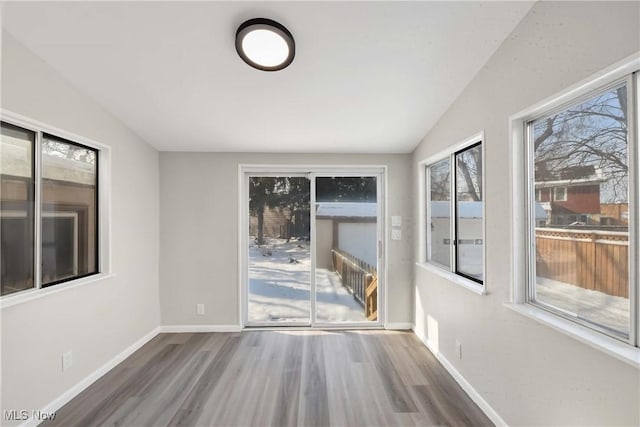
(360, 278)
(591, 259)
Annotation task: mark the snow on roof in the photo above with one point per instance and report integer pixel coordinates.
(440, 209)
(347, 209)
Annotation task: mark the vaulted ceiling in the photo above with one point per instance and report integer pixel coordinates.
(368, 77)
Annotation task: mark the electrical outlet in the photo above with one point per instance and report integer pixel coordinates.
(396, 221)
(67, 360)
(200, 309)
(459, 349)
(396, 234)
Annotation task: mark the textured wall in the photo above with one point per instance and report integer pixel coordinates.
(199, 231)
(529, 373)
(97, 320)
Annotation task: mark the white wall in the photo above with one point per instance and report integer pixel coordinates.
(101, 319)
(529, 373)
(199, 231)
(360, 240)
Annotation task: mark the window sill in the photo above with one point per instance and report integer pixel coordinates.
(608, 345)
(458, 280)
(33, 294)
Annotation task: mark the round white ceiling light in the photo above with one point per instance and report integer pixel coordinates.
(265, 44)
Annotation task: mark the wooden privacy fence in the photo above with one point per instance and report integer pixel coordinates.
(360, 278)
(591, 259)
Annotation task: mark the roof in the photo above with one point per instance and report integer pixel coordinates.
(347, 209)
(569, 176)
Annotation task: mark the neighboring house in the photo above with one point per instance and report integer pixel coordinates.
(350, 227)
(569, 195)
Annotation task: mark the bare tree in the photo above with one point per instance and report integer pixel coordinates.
(469, 170)
(440, 181)
(592, 133)
(260, 196)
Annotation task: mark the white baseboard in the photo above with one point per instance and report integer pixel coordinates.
(200, 328)
(468, 388)
(400, 326)
(66, 397)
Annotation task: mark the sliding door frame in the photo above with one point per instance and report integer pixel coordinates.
(247, 171)
(244, 248)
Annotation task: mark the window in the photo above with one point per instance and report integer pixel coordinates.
(560, 194)
(17, 208)
(583, 271)
(49, 209)
(440, 209)
(455, 213)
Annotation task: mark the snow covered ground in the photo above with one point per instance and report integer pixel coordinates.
(598, 307)
(279, 285)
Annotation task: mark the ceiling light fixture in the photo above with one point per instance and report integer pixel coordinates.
(265, 44)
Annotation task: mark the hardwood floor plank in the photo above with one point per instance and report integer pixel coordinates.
(73, 412)
(340, 379)
(454, 406)
(432, 410)
(276, 378)
(159, 409)
(230, 403)
(392, 384)
(396, 346)
(191, 408)
(104, 409)
(314, 406)
(267, 379)
(288, 400)
(354, 346)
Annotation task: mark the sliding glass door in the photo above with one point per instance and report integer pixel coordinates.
(346, 273)
(279, 267)
(313, 254)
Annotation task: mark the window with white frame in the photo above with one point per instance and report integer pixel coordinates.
(455, 213)
(48, 211)
(585, 147)
(560, 194)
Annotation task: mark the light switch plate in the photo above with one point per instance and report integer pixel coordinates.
(396, 234)
(396, 221)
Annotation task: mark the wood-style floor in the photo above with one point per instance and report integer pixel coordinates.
(276, 378)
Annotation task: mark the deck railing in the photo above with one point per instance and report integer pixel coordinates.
(360, 278)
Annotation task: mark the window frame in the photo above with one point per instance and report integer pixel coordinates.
(97, 151)
(523, 258)
(555, 194)
(424, 257)
(530, 221)
(103, 209)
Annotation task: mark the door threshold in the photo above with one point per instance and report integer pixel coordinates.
(311, 328)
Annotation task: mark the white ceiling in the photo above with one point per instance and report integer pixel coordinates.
(368, 77)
